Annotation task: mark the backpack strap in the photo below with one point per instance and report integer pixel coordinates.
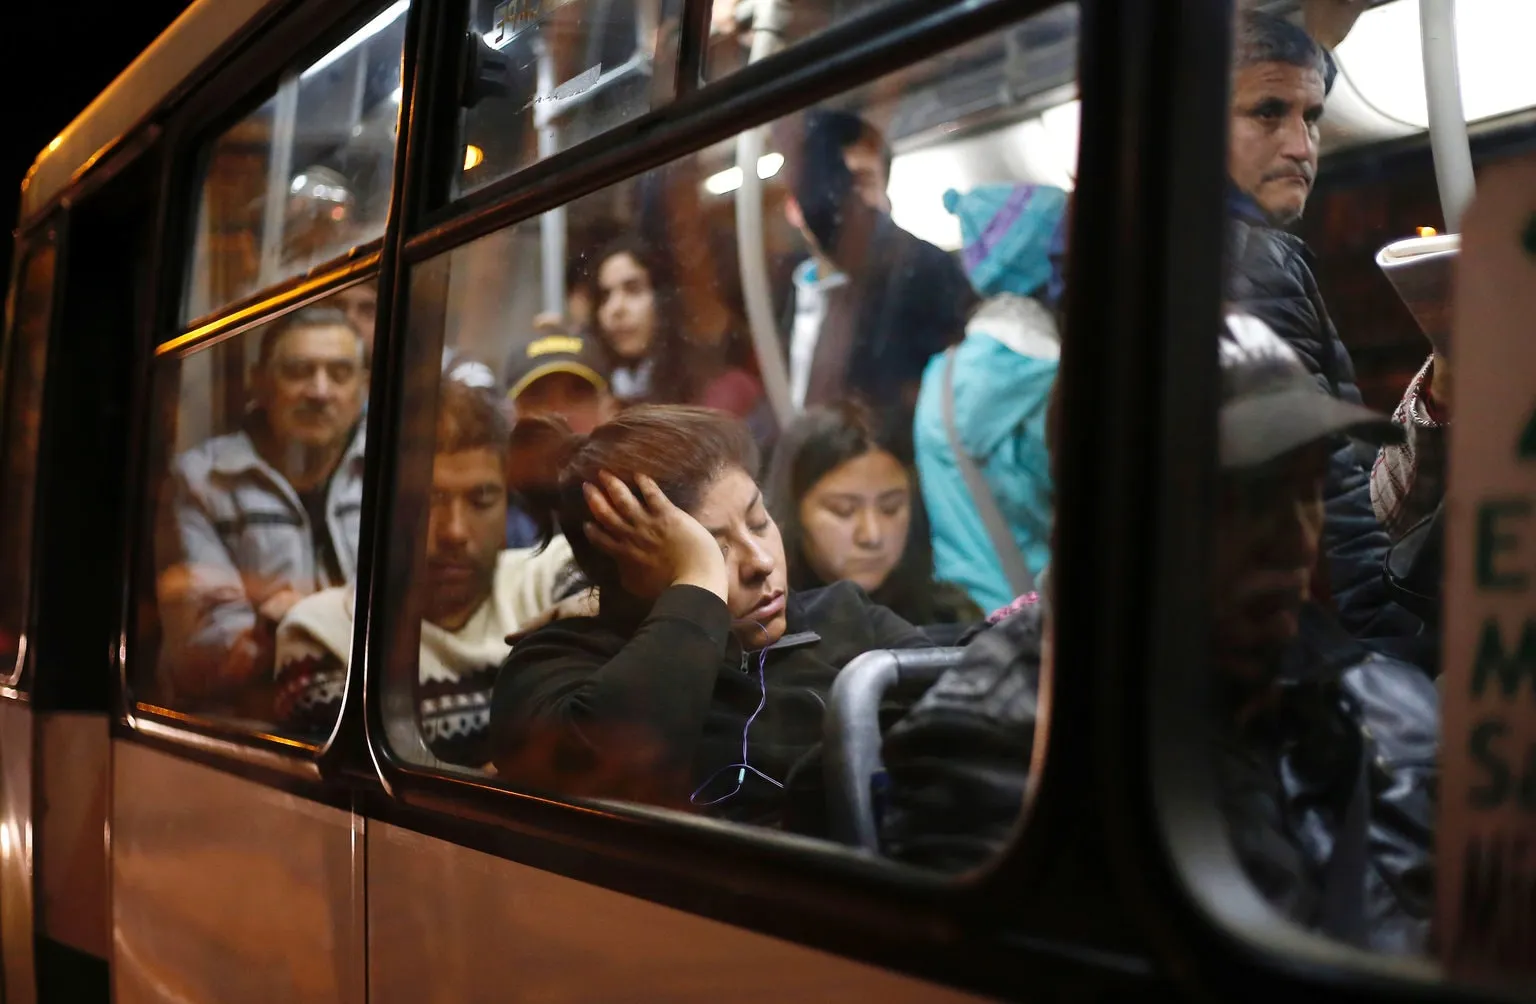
(1015, 568)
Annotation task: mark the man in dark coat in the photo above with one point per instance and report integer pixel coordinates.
(873, 303)
(1324, 752)
(1280, 78)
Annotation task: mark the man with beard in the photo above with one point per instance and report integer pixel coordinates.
(474, 594)
(1280, 79)
(255, 520)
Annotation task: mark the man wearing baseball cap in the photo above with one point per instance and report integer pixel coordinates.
(1325, 750)
(556, 374)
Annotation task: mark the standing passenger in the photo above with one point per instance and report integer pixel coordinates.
(655, 359)
(1279, 82)
(1325, 757)
(258, 519)
(998, 385)
(872, 304)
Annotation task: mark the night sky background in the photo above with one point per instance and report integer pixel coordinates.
(58, 56)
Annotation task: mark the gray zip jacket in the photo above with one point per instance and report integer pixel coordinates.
(232, 533)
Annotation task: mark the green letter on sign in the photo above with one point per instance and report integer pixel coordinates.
(1491, 659)
(1490, 542)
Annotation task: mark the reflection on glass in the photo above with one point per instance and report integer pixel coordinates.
(1326, 713)
(258, 507)
(304, 177)
(27, 347)
(549, 74)
(736, 556)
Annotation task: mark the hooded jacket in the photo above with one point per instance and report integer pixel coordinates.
(1003, 375)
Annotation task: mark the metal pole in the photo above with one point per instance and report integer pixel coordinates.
(285, 114)
(552, 223)
(1447, 121)
(768, 21)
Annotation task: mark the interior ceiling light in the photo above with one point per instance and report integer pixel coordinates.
(387, 17)
(1384, 59)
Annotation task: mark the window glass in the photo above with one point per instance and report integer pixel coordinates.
(27, 349)
(548, 74)
(746, 31)
(689, 641)
(1335, 425)
(249, 549)
(304, 177)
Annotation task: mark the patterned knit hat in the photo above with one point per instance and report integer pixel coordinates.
(1014, 236)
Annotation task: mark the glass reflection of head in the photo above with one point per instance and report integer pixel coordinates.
(703, 462)
(837, 167)
(1277, 429)
(320, 216)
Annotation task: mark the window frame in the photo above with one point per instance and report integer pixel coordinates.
(50, 235)
(1096, 798)
(227, 100)
(783, 885)
(305, 768)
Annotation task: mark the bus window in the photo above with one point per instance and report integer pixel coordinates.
(304, 177)
(25, 365)
(1334, 425)
(552, 73)
(745, 31)
(252, 523)
(675, 629)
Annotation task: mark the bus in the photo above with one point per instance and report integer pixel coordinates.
(206, 797)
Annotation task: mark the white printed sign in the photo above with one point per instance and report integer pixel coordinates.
(1485, 924)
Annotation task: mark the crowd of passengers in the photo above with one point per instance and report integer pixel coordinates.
(636, 586)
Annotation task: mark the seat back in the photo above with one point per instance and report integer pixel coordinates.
(851, 733)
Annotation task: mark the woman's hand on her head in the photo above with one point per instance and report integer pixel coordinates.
(655, 543)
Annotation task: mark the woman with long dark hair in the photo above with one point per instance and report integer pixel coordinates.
(843, 490)
(656, 358)
(701, 679)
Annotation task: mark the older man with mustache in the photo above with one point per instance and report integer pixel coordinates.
(1280, 79)
(254, 520)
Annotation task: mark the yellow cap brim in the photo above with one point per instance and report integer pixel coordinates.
(582, 370)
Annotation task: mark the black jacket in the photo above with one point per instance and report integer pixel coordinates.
(1270, 275)
(1285, 780)
(957, 767)
(909, 302)
(652, 707)
(958, 762)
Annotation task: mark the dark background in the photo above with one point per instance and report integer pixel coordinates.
(58, 55)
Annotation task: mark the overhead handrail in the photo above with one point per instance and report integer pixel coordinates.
(768, 20)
